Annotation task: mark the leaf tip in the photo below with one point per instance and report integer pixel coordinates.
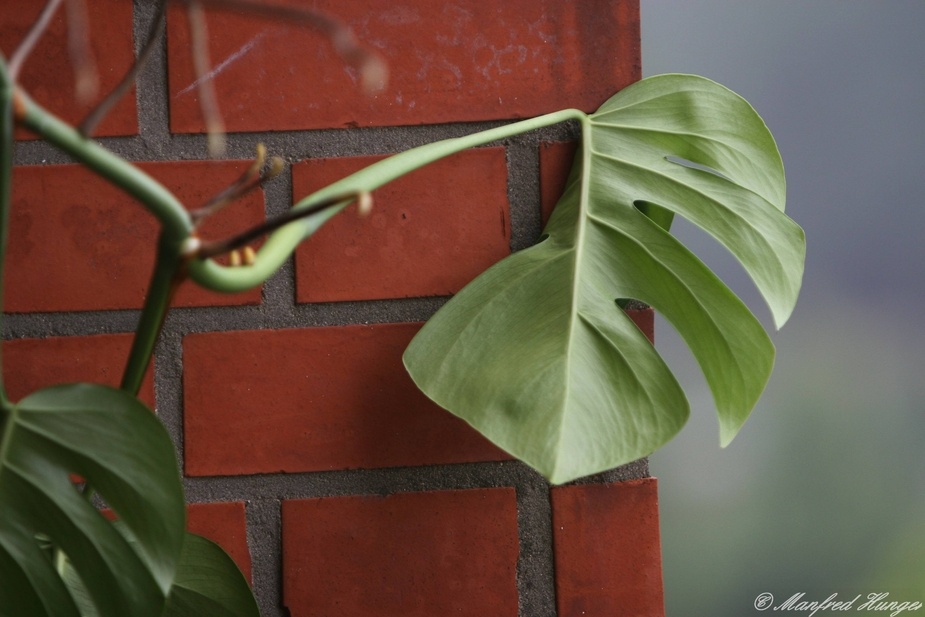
(726, 436)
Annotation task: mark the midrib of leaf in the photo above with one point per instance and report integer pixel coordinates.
(586, 153)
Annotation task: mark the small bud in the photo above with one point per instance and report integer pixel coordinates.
(249, 256)
(190, 247)
(374, 75)
(364, 203)
(215, 141)
(276, 166)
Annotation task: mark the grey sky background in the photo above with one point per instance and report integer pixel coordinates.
(823, 491)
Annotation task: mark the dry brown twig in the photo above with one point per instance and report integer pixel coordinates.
(373, 70)
(370, 65)
(19, 55)
(86, 77)
(89, 124)
(208, 101)
(253, 176)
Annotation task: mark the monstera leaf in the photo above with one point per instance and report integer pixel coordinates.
(209, 583)
(118, 446)
(537, 354)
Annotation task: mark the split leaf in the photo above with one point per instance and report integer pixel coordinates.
(536, 353)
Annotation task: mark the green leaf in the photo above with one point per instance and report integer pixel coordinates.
(209, 583)
(109, 438)
(537, 355)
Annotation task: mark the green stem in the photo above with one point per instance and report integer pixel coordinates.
(164, 281)
(153, 196)
(175, 220)
(6, 182)
(280, 245)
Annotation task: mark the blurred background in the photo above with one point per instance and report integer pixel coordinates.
(823, 491)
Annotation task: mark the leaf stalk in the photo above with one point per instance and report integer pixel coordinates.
(164, 282)
(280, 245)
(152, 195)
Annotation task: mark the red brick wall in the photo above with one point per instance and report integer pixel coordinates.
(308, 453)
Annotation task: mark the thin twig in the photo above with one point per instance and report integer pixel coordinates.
(248, 181)
(220, 247)
(93, 119)
(86, 77)
(208, 101)
(35, 33)
(371, 66)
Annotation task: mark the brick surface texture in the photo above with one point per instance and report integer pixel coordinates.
(429, 234)
(334, 399)
(413, 554)
(308, 453)
(601, 569)
(48, 75)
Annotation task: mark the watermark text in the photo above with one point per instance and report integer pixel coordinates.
(877, 602)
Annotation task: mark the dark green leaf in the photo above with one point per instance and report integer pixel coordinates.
(209, 583)
(109, 438)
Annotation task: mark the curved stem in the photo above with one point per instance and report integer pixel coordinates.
(283, 242)
(220, 247)
(152, 195)
(164, 282)
(175, 220)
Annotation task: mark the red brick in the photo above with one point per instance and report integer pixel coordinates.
(429, 233)
(313, 399)
(31, 364)
(644, 320)
(79, 244)
(225, 524)
(555, 162)
(607, 549)
(47, 74)
(408, 555)
(449, 62)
